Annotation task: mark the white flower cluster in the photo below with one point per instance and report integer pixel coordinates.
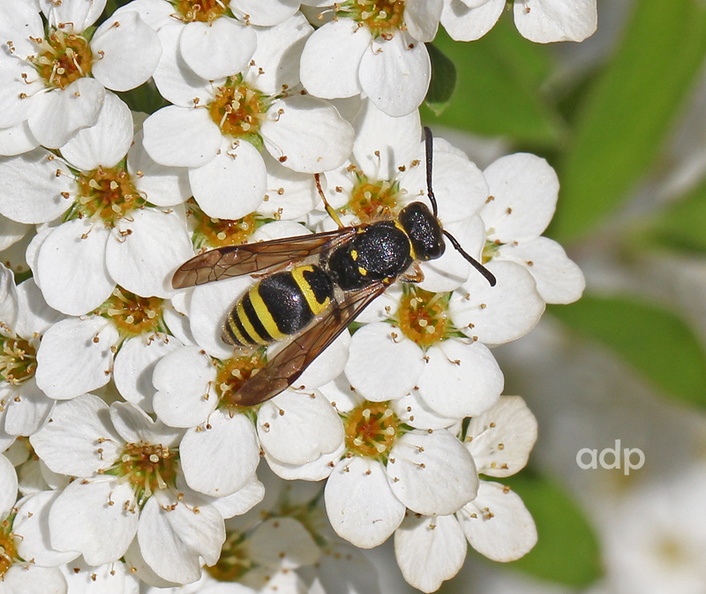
(126, 459)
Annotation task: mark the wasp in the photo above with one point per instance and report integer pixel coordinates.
(312, 287)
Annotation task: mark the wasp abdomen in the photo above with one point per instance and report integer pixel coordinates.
(279, 306)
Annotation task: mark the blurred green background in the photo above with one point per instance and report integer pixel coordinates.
(622, 118)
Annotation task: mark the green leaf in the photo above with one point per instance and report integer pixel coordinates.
(626, 116)
(682, 226)
(498, 87)
(655, 341)
(443, 80)
(567, 550)
(145, 98)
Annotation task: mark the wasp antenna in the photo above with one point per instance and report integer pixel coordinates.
(489, 276)
(429, 151)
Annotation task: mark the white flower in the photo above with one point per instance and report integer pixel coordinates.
(54, 83)
(24, 317)
(218, 128)
(542, 21)
(388, 467)
(376, 50)
(131, 487)
(112, 234)
(19, 542)
(496, 523)
(524, 191)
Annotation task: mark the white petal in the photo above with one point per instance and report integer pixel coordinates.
(497, 523)
(37, 316)
(545, 21)
(230, 447)
(327, 366)
(134, 365)
(298, 427)
(383, 143)
(283, 542)
(383, 364)
(156, 13)
(413, 411)
(86, 512)
(110, 578)
(161, 185)
(30, 409)
(499, 314)
(395, 74)
(331, 59)
(289, 194)
(145, 249)
(107, 142)
(32, 579)
(19, 21)
(501, 439)
(31, 187)
(21, 87)
(76, 356)
(241, 501)
(307, 134)
(420, 461)
(275, 64)
(559, 279)
(68, 444)
(181, 136)
(422, 18)
(120, 40)
(176, 82)
(183, 380)
(71, 267)
(135, 426)
(17, 139)
(79, 14)
(265, 12)
(31, 529)
(316, 470)
(8, 486)
(66, 111)
(174, 535)
(232, 183)
(468, 23)
(429, 550)
(360, 504)
(460, 379)
(220, 48)
(524, 189)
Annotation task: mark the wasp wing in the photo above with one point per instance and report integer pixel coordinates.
(237, 260)
(287, 365)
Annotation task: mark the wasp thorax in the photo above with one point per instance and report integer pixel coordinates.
(146, 467)
(107, 194)
(63, 58)
(18, 360)
(382, 17)
(133, 315)
(232, 374)
(371, 430)
(203, 11)
(237, 109)
(373, 200)
(422, 316)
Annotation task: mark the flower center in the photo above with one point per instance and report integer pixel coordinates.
(204, 11)
(147, 467)
(63, 58)
(371, 430)
(234, 561)
(133, 315)
(107, 194)
(18, 360)
(212, 232)
(237, 109)
(8, 548)
(382, 17)
(422, 316)
(232, 373)
(373, 200)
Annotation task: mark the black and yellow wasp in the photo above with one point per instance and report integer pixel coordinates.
(313, 286)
